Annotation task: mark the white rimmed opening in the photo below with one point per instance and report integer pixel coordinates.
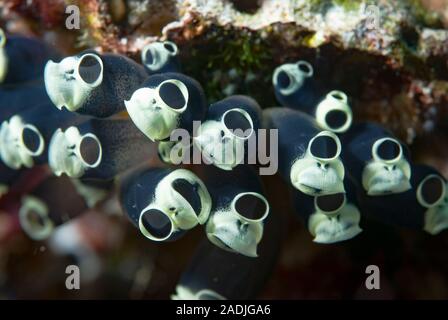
(90, 69)
(3, 189)
(330, 203)
(306, 68)
(149, 56)
(32, 140)
(3, 56)
(187, 190)
(173, 95)
(334, 113)
(431, 191)
(207, 294)
(338, 96)
(2, 38)
(33, 218)
(155, 224)
(12, 151)
(189, 216)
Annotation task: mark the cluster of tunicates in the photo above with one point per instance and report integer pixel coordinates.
(341, 171)
(95, 119)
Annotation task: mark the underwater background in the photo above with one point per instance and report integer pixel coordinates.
(396, 76)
